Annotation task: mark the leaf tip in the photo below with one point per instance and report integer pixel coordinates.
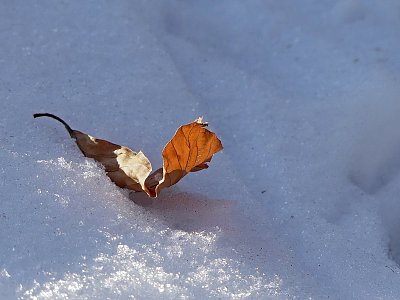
(200, 121)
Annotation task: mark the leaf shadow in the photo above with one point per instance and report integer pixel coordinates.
(187, 211)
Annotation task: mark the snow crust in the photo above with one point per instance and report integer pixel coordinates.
(302, 203)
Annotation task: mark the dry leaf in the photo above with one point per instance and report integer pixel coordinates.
(126, 168)
(188, 151)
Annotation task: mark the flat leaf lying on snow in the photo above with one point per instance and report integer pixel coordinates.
(189, 150)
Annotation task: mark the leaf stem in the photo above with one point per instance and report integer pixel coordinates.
(69, 129)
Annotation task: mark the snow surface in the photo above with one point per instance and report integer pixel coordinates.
(302, 203)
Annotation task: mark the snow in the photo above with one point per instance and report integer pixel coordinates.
(302, 202)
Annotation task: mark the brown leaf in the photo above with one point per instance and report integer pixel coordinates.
(126, 168)
(188, 151)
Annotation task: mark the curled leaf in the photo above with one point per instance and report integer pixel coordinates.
(126, 168)
(188, 151)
